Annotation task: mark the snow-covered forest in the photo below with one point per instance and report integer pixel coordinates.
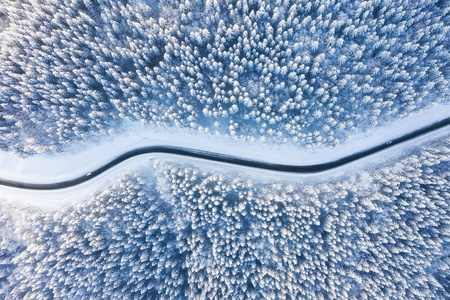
(300, 71)
(176, 232)
(262, 74)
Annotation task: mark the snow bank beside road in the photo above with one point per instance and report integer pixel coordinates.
(57, 199)
(80, 160)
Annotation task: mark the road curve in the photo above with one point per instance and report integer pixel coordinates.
(314, 168)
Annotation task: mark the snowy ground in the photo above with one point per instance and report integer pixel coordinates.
(104, 152)
(79, 160)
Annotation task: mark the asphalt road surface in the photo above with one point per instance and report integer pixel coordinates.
(314, 168)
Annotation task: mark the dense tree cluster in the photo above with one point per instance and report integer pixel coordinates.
(300, 71)
(179, 232)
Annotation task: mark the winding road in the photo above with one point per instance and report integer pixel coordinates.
(211, 156)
